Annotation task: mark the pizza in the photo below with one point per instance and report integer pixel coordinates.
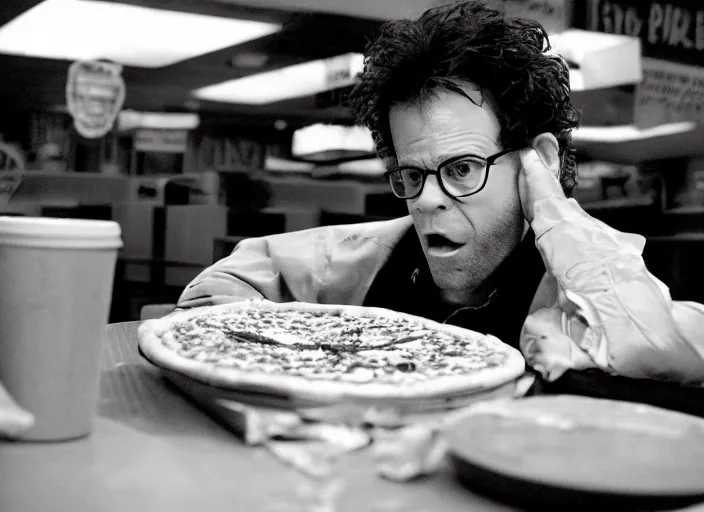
(326, 352)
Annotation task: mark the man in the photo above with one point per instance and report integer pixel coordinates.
(472, 117)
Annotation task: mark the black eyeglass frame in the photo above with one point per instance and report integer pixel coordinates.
(490, 160)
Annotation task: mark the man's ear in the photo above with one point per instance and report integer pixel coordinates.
(548, 150)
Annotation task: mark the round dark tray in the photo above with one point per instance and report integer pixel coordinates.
(532, 496)
(576, 453)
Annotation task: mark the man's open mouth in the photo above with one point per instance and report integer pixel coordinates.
(440, 243)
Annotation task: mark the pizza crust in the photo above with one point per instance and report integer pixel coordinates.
(151, 333)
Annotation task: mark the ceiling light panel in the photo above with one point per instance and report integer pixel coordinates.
(127, 34)
(304, 79)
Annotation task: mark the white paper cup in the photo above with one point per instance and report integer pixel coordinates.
(56, 278)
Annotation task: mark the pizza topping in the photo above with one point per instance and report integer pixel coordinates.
(406, 366)
(284, 338)
(415, 344)
(330, 346)
(312, 355)
(359, 374)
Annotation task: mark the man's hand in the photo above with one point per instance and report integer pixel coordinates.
(536, 182)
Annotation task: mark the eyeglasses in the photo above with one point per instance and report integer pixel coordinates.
(459, 176)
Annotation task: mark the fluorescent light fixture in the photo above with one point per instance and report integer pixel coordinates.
(605, 60)
(629, 144)
(369, 167)
(128, 34)
(130, 120)
(321, 142)
(294, 81)
(272, 163)
(629, 133)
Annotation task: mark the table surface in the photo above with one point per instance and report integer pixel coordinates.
(151, 449)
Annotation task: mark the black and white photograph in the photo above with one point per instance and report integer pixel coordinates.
(351, 255)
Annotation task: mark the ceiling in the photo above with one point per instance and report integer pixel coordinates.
(306, 35)
(372, 9)
(312, 29)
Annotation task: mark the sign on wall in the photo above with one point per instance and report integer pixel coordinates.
(95, 93)
(672, 30)
(342, 70)
(669, 93)
(222, 152)
(161, 141)
(672, 40)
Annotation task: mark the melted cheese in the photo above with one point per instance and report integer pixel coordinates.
(312, 355)
(359, 375)
(284, 338)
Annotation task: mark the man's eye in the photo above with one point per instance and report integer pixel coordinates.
(464, 168)
(413, 176)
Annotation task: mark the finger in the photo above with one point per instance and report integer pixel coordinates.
(538, 175)
(13, 419)
(14, 422)
(533, 164)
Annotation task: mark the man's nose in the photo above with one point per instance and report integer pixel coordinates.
(432, 198)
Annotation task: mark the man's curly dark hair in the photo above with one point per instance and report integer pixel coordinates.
(468, 41)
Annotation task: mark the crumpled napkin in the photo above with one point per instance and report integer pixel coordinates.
(404, 445)
(13, 419)
(310, 447)
(417, 448)
(409, 452)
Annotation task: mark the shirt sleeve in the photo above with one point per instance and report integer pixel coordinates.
(326, 265)
(279, 268)
(607, 310)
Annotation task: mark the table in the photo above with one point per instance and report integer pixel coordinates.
(151, 449)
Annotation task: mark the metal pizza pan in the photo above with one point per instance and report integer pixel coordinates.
(571, 452)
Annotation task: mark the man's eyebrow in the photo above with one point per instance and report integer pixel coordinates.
(441, 158)
(409, 164)
(447, 156)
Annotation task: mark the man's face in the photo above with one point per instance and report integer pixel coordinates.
(478, 232)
